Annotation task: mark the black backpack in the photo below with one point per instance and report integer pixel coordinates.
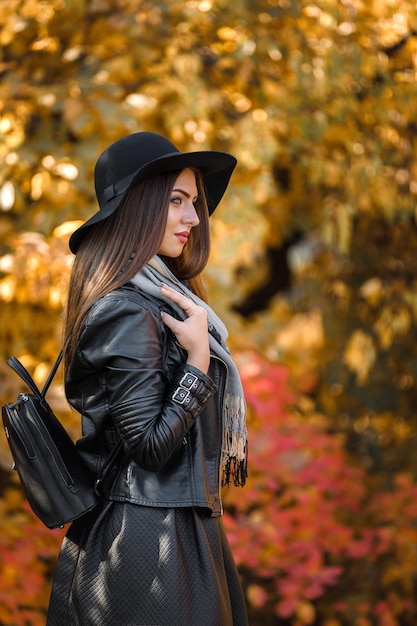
(55, 479)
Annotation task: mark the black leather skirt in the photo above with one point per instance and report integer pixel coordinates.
(128, 565)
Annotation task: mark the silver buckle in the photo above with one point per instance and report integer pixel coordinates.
(181, 395)
(189, 381)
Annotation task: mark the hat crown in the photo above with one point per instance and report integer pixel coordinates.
(128, 155)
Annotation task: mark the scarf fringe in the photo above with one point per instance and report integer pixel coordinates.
(235, 471)
(235, 442)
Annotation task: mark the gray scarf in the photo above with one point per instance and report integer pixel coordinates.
(234, 451)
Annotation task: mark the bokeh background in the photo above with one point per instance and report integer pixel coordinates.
(313, 267)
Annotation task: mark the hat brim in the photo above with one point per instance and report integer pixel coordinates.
(216, 169)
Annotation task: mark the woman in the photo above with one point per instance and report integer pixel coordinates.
(145, 363)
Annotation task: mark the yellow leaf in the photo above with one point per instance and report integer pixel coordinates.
(360, 355)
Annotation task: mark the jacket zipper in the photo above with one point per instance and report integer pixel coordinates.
(223, 379)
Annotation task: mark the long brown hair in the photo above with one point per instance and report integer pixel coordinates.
(115, 249)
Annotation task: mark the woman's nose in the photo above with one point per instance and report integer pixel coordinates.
(190, 214)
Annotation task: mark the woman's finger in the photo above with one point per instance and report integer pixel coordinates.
(185, 303)
(171, 322)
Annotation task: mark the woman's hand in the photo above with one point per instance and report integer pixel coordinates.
(192, 333)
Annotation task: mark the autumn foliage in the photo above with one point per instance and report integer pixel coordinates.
(313, 266)
(28, 551)
(317, 539)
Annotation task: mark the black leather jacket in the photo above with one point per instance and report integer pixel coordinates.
(129, 380)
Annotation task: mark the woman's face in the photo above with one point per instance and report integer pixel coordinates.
(182, 216)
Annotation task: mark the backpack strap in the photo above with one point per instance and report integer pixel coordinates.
(52, 374)
(22, 372)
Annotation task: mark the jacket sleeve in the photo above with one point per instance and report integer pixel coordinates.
(124, 343)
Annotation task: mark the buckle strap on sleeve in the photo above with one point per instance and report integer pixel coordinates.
(188, 383)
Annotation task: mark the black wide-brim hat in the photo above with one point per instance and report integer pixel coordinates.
(143, 155)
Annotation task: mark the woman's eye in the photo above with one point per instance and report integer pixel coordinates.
(176, 200)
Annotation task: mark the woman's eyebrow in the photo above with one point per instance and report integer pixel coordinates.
(185, 193)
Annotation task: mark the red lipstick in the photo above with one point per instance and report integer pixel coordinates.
(183, 236)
